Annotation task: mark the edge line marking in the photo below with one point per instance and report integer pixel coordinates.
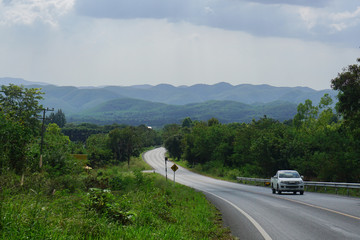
(322, 208)
(256, 224)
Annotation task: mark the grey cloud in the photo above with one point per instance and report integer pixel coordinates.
(127, 9)
(261, 19)
(308, 3)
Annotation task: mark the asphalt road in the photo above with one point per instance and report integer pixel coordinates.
(255, 213)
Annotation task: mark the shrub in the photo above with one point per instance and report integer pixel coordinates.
(103, 203)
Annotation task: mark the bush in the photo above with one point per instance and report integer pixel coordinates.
(103, 203)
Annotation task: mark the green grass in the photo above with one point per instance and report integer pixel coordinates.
(137, 206)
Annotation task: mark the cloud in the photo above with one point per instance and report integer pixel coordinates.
(312, 3)
(26, 12)
(138, 51)
(318, 20)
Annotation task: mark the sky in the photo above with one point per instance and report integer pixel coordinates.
(283, 43)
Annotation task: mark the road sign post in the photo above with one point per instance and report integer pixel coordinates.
(166, 159)
(174, 168)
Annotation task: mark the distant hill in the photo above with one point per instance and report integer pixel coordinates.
(17, 81)
(136, 112)
(140, 103)
(244, 93)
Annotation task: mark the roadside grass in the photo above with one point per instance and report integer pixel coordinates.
(118, 202)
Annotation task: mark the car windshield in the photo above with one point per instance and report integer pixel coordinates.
(289, 175)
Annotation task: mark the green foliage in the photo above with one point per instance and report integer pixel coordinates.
(187, 123)
(124, 143)
(58, 118)
(21, 105)
(103, 203)
(19, 124)
(98, 149)
(147, 136)
(174, 146)
(81, 132)
(348, 84)
(317, 144)
(145, 208)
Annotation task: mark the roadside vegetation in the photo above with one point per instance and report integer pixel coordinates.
(107, 203)
(84, 181)
(54, 188)
(322, 142)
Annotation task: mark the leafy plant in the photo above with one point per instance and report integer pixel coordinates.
(103, 202)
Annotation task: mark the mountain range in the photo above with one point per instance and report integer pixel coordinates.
(164, 103)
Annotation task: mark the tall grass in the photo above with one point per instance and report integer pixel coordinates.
(134, 205)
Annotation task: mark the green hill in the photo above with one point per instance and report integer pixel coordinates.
(164, 103)
(136, 112)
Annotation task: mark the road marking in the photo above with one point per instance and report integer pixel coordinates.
(255, 223)
(306, 204)
(322, 208)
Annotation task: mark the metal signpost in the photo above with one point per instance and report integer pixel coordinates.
(166, 159)
(174, 168)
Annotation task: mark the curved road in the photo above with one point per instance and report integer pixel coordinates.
(255, 213)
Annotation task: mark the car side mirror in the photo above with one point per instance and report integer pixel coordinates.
(302, 177)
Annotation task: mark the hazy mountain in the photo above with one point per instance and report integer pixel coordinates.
(18, 81)
(201, 101)
(136, 112)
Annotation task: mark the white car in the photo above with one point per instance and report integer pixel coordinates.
(287, 181)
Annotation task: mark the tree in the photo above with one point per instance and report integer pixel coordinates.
(170, 130)
(213, 121)
(124, 143)
(99, 151)
(56, 150)
(267, 147)
(306, 113)
(81, 132)
(187, 123)
(173, 146)
(19, 107)
(348, 84)
(58, 118)
(148, 137)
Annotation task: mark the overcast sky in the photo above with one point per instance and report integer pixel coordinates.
(179, 42)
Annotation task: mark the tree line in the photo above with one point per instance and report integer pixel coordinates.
(321, 142)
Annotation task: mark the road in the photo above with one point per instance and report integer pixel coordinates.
(255, 213)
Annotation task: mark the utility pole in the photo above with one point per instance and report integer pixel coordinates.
(42, 132)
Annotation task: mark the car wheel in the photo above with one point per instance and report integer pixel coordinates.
(301, 192)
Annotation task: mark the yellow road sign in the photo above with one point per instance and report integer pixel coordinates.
(174, 167)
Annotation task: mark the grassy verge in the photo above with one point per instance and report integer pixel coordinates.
(112, 203)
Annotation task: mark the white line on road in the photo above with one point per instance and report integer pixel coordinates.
(255, 223)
